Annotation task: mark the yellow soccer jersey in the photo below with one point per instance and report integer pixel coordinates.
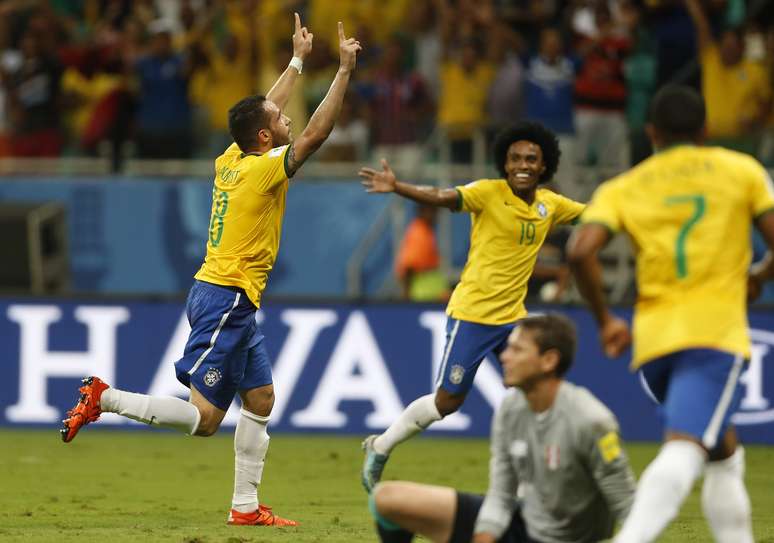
(505, 236)
(248, 203)
(688, 211)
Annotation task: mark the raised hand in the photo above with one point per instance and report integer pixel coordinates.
(348, 48)
(378, 181)
(615, 336)
(302, 40)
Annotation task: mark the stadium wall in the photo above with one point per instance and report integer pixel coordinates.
(147, 235)
(337, 368)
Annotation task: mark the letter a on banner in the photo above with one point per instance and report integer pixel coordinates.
(355, 350)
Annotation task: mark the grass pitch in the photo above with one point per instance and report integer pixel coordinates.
(113, 486)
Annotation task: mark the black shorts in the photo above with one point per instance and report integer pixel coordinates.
(465, 520)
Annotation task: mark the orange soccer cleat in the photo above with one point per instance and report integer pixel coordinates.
(86, 410)
(263, 516)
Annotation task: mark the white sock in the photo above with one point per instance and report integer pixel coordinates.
(662, 488)
(251, 441)
(725, 502)
(166, 411)
(419, 414)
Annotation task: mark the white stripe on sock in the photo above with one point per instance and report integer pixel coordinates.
(445, 359)
(215, 335)
(710, 437)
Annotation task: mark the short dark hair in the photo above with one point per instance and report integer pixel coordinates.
(677, 112)
(532, 132)
(246, 118)
(553, 331)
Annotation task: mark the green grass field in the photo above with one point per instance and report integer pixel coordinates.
(113, 486)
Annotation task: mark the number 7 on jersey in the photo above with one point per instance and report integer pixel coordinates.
(699, 206)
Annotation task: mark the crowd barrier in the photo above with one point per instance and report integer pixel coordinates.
(337, 368)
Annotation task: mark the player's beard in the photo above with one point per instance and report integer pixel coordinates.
(283, 139)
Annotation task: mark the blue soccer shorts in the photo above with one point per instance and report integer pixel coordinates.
(467, 344)
(225, 351)
(698, 391)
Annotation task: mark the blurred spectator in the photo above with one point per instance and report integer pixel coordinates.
(640, 72)
(33, 98)
(737, 91)
(600, 93)
(418, 261)
(401, 109)
(96, 101)
(425, 31)
(226, 79)
(505, 101)
(466, 77)
(163, 117)
(548, 87)
(348, 141)
(528, 17)
(548, 99)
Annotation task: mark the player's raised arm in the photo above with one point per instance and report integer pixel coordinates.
(323, 119)
(302, 46)
(384, 180)
(582, 251)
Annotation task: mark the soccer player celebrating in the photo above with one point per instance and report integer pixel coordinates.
(552, 439)
(511, 217)
(225, 352)
(688, 210)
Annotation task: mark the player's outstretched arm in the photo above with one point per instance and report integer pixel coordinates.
(302, 46)
(384, 181)
(582, 249)
(323, 119)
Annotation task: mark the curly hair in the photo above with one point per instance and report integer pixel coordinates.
(535, 133)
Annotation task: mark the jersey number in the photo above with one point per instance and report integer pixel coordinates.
(699, 206)
(527, 233)
(218, 212)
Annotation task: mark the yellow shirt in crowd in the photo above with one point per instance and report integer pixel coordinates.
(688, 211)
(505, 236)
(462, 103)
(731, 93)
(248, 204)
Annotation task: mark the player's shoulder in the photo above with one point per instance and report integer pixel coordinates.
(514, 404)
(586, 410)
(736, 160)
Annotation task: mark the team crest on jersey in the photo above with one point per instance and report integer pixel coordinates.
(456, 374)
(542, 210)
(552, 457)
(212, 377)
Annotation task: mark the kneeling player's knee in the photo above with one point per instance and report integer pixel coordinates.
(388, 497)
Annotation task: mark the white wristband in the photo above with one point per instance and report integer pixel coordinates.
(296, 63)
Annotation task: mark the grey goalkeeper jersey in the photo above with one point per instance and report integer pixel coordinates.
(565, 467)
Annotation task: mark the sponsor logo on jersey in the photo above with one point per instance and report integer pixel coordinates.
(541, 209)
(212, 377)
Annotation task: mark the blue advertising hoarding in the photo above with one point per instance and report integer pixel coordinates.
(337, 368)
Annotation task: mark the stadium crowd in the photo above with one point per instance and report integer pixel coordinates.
(155, 79)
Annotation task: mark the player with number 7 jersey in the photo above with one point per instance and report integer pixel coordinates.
(688, 211)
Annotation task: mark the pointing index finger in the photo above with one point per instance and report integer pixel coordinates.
(298, 21)
(341, 32)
